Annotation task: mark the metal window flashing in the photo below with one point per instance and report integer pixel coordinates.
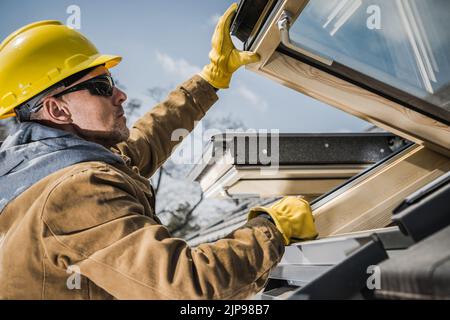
(334, 249)
(425, 211)
(346, 279)
(333, 267)
(428, 277)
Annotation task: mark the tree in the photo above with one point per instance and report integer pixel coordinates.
(132, 107)
(158, 93)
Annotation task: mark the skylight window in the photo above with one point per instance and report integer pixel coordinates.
(400, 47)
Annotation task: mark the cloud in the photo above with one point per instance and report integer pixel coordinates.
(180, 68)
(214, 19)
(252, 98)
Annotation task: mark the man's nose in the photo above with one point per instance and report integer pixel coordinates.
(119, 96)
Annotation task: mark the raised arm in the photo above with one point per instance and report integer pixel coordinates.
(150, 142)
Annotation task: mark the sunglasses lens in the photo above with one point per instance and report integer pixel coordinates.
(102, 87)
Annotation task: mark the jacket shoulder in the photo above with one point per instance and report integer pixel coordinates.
(87, 195)
(89, 174)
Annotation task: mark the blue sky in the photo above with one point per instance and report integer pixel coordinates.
(163, 42)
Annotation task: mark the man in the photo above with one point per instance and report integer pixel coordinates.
(75, 194)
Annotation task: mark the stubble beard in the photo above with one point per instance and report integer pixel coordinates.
(118, 134)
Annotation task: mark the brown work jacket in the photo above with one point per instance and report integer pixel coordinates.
(89, 231)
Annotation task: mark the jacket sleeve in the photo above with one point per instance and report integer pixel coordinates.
(101, 229)
(151, 141)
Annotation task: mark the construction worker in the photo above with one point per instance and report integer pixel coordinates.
(77, 218)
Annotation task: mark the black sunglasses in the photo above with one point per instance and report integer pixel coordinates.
(102, 85)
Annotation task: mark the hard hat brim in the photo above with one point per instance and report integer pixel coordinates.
(108, 60)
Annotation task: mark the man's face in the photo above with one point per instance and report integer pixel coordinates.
(97, 118)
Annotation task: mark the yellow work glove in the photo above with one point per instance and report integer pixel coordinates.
(225, 58)
(293, 218)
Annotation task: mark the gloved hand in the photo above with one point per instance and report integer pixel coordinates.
(293, 218)
(225, 58)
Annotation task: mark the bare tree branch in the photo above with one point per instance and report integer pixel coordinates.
(132, 106)
(167, 172)
(157, 93)
(188, 215)
(158, 183)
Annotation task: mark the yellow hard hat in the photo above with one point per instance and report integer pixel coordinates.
(40, 55)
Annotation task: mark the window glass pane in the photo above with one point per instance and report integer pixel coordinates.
(403, 43)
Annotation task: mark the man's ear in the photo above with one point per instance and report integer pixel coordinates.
(56, 110)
